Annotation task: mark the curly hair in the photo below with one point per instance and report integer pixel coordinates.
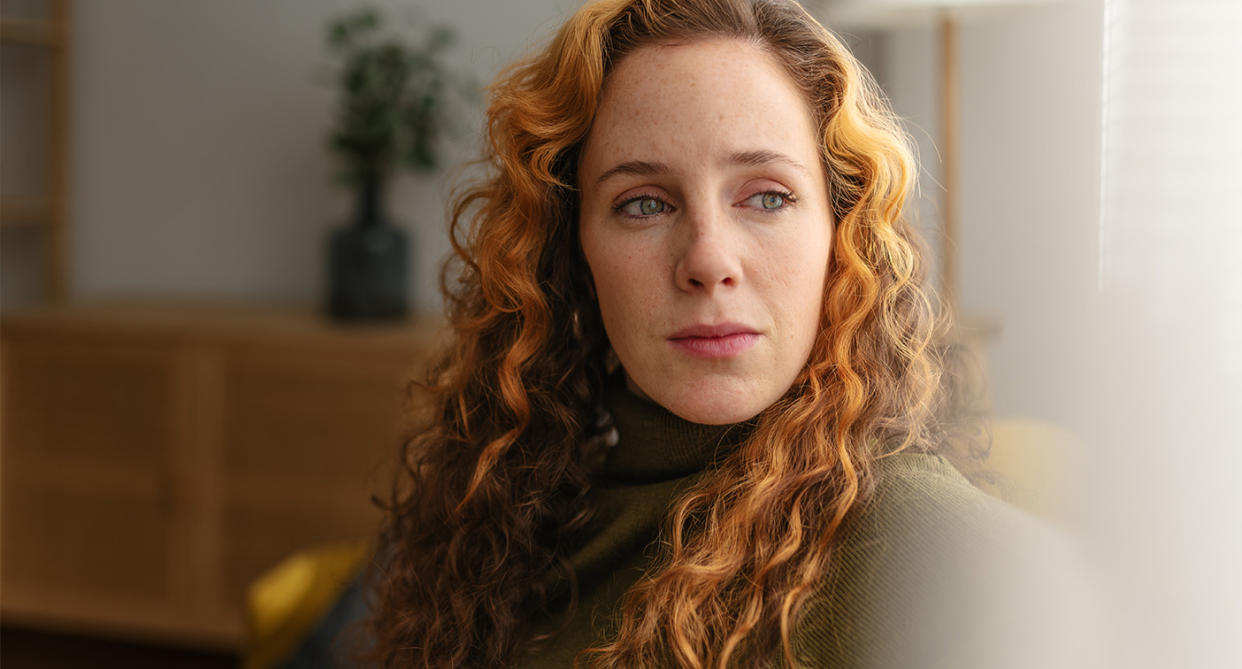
(494, 492)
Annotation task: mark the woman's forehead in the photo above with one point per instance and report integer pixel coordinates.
(699, 101)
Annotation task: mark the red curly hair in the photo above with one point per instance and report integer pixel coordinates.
(495, 492)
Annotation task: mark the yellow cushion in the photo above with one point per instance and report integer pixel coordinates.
(1036, 463)
(286, 602)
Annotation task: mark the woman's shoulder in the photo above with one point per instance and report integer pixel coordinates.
(917, 493)
(921, 521)
(931, 564)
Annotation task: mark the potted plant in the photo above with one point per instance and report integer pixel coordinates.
(394, 107)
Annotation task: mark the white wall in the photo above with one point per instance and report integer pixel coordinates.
(1029, 180)
(1030, 184)
(199, 167)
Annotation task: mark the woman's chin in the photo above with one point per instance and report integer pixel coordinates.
(721, 408)
(720, 397)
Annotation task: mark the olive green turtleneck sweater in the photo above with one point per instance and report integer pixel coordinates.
(897, 588)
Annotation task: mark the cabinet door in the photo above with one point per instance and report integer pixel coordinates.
(91, 502)
(307, 437)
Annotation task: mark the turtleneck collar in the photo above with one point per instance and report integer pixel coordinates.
(656, 445)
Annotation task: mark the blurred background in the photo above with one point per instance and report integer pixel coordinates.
(223, 224)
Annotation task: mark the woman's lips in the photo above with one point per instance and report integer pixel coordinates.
(714, 341)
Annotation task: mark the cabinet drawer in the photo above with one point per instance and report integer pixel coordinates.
(90, 502)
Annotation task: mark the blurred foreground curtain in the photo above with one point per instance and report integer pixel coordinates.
(1169, 344)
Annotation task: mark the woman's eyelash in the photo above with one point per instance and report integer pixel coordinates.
(663, 207)
(787, 198)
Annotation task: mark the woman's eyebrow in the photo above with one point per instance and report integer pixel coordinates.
(747, 158)
(636, 167)
(764, 157)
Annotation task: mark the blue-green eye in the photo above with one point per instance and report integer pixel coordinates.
(643, 206)
(770, 200)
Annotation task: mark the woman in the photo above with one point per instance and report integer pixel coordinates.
(688, 415)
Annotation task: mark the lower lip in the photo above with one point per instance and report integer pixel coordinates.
(715, 347)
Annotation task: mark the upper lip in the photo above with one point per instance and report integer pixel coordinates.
(708, 331)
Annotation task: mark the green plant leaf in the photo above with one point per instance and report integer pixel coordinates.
(397, 99)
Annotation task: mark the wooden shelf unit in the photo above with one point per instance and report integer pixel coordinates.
(33, 32)
(19, 213)
(50, 211)
(156, 459)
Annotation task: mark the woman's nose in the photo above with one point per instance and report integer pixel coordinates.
(709, 257)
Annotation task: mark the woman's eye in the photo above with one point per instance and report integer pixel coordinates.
(643, 206)
(770, 200)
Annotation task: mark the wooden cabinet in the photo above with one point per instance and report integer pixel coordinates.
(157, 459)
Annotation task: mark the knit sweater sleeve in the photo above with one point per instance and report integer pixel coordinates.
(931, 573)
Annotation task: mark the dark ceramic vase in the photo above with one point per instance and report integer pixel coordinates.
(368, 264)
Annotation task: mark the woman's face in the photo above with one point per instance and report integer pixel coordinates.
(706, 225)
